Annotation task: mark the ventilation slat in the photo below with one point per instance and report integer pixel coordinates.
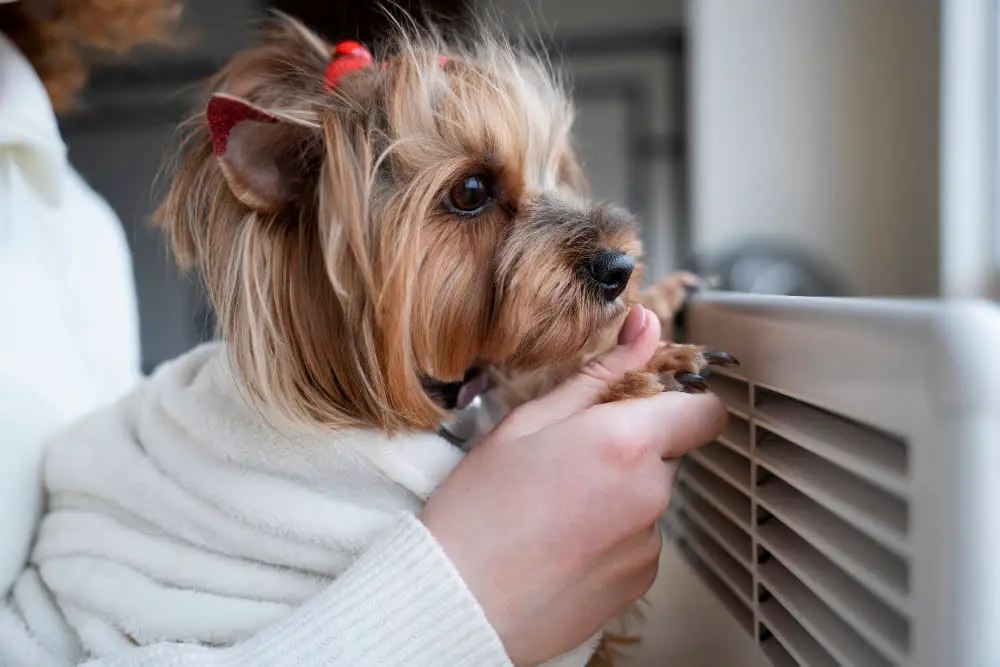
(879, 514)
(734, 392)
(736, 436)
(882, 572)
(798, 519)
(776, 653)
(728, 465)
(880, 625)
(838, 639)
(728, 569)
(870, 455)
(715, 524)
(799, 644)
(739, 609)
(726, 499)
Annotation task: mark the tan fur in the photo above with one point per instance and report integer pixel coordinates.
(334, 303)
(343, 286)
(663, 298)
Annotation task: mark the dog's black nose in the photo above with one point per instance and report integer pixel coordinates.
(610, 270)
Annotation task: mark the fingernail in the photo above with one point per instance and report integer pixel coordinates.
(633, 325)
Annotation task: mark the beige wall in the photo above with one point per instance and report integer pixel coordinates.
(816, 122)
(606, 123)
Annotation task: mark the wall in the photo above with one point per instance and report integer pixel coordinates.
(816, 123)
(589, 16)
(625, 61)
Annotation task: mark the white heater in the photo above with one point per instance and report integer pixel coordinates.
(850, 514)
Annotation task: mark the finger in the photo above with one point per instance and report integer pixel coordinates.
(633, 552)
(638, 340)
(634, 564)
(671, 424)
(633, 325)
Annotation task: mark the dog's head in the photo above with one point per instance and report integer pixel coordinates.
(371, 246)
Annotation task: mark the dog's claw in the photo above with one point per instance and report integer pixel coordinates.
(692, 383)
(720, 358)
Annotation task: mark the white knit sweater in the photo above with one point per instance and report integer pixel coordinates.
(183, 514)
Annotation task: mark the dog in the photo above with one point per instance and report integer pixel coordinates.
(510, 266)
(381, 239)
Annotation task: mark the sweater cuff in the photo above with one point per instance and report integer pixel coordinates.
(402, 603)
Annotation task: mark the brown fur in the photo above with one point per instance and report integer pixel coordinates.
(343, 285)
(663, 298)
(62, 38)
(335, 303)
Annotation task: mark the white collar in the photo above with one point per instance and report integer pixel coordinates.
(28, 127)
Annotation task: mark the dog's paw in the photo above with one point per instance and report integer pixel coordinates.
(685, 367)
(674, 367)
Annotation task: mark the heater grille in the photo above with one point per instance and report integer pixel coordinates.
(798, 519)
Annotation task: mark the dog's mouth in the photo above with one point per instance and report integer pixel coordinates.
(457, 395)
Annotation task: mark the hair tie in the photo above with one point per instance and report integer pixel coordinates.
(349, 56)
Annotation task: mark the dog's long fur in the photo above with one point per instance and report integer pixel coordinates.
(340, 279)
(335, 302)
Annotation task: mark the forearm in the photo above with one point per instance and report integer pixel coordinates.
(402, 603)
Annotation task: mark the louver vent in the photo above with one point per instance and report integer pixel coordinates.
(798, 519)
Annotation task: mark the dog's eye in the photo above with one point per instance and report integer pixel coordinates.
(471, 195)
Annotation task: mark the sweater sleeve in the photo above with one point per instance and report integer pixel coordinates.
(401, 603)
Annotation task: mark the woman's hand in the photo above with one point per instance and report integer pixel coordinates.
(552, 520)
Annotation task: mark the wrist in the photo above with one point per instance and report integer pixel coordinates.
(402, 602)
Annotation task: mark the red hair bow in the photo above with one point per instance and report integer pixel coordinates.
(349, 56)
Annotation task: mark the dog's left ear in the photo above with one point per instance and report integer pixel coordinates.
(263, 158)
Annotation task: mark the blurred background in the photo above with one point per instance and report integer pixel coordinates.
(791, 146)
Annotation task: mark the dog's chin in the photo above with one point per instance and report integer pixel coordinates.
(614, 310)
(607, 318)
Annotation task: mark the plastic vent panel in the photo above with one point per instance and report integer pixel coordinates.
(798, 520)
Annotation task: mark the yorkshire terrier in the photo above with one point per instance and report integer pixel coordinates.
(418, 222)
(382, 238)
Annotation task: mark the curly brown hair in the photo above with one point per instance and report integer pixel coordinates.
(62, 38)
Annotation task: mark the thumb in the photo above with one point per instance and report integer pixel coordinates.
(637, 341)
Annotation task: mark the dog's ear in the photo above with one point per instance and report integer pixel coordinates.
(264, 158)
